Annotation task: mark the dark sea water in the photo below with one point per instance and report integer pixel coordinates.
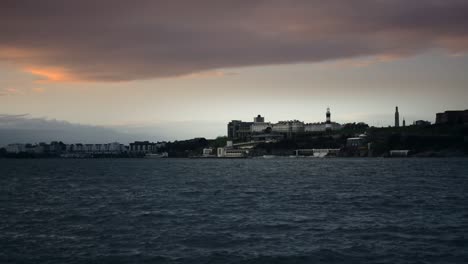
(234, 211)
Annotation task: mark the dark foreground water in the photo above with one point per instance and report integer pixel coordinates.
(234, 211)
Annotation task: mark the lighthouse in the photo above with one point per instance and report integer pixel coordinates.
(328, 123)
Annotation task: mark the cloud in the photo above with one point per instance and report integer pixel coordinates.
(10, 91)
(26, 129)
(119, 40)
(208, 74)
(38, 90)
(50, 74)
(23, 128)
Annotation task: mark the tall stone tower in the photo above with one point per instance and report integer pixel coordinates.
(328, 123)
(397, 117)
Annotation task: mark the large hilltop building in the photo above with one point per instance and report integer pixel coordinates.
(452, 117)
(238, 129)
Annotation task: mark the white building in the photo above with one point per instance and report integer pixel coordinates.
(15, 148)
(320, 127)
(110, 148)
(232, 153)
(293, 126)
(207, 152)
(260, 127)
(145, 147)
(36, 149)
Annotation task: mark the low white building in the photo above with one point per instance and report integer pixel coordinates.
(15, 148)
(399, 153)
(232, 153)
(144, 147)
(36, 149)
(109, 148)
(207, 152)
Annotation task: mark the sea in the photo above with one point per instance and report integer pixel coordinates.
(284, 210)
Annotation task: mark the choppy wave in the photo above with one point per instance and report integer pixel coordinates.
(234, 211)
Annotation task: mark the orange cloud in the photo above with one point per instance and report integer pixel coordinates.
(207, 74)
(10, 91)
(38, 89)
(10, 53)
(365, 62)
(51, 74)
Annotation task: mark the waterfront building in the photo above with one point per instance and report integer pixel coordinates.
(88, 148)
(399, 153)
(317, 153)
(452, 117)
(231, 153)
(15, 148)
(397, 117)
(144, 147)
(109, 148)
(207, 152)
(18, 148)
(404, 122)
(35, 149)
(356, 142)
(57, 147)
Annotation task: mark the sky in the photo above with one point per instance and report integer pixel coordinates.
(165, 70)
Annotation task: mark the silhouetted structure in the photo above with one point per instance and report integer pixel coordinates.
(421, 123)
(144, 147)
(259, 119)
(238, 129)
(397, 117)
(452, 117)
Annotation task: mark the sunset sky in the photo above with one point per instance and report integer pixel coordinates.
(180, 69)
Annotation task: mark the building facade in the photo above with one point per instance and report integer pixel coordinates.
(321, 127)
(287, 127)
(259, 119)
(144, 147)
(239, 130)
(452, 117)
(109, 148)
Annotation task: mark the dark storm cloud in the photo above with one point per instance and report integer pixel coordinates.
(26, 129)
(126, 40)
